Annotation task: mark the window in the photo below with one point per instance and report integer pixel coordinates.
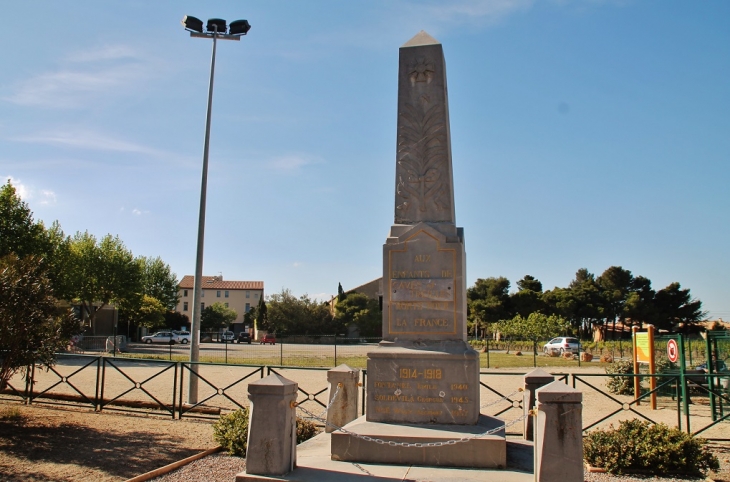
(202, 306)
(185, 292)
(248, 307)
(248, 294)
(226, 305)
(255, 295)
(202, 293)
(185, 306)
(226, 293)
(218, 294)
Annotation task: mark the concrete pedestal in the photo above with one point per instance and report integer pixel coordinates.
(435, 382)
(489, 451)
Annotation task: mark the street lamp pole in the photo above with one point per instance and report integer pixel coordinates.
(216, 29)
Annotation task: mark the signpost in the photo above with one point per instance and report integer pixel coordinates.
(644, 353)
(672, 351)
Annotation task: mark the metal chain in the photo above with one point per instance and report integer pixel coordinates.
(503, 398)
(417, 444)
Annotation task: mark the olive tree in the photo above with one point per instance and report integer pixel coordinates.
(32, 328)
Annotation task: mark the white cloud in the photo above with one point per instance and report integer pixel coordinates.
(86, 77)
(28, 193)
(47, 197)
(292, 163)
(136, 212)
(85, 139)
(107, 52)
(296, 264)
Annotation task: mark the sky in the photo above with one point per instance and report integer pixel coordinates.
(584, 134)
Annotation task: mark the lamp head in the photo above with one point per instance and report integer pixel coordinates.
(239, 27)
(217, 25)
(192, 23)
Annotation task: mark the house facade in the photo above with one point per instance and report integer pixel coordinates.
(240, 296)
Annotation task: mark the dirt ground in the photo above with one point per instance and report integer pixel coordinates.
(49, 444)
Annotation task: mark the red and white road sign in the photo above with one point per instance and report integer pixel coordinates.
(672, 351)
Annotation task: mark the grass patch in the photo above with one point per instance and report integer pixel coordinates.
(10, 414)
(496, 360)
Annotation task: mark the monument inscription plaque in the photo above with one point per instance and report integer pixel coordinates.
(423, 371)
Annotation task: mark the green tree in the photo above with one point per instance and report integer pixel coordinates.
(217, 316)
(615, 284)
(32, 328)
(488, 302)
(340, 292)
(675, 306)
(357, 310)
(535, 327)
(150, 313)
(529, 297)
(158, 281)
(101, 273)
(288, 315)
(19, 234)
(262, 313)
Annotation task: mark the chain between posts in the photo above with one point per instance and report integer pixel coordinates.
(503, 398)
(392, 443)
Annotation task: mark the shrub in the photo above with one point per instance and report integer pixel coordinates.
(306, 429)
(231, 431)
(620, 385)
(637, 446)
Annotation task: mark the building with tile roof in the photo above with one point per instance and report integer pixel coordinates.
(240, 296)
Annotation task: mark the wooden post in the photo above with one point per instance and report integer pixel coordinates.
(635, 356)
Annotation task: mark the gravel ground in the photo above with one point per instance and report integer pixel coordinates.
(219, 467)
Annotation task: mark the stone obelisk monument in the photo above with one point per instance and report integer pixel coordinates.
(424, 371)
(423, 378)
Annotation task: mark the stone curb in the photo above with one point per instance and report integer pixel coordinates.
(175, 465)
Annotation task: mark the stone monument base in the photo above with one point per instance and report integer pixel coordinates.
(489, 451)
(434, 382)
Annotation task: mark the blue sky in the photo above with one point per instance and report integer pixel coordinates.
(585, 133)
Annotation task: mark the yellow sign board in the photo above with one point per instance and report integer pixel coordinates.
(643, 350)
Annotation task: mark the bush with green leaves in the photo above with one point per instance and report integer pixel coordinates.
(231, 431)
(638, 446)
(620, 385)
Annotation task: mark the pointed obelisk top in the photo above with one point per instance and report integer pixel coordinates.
(421, 38)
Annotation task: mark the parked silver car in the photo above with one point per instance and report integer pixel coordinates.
(181, 337)
(562, 344)
(159, 337)
(228, 337)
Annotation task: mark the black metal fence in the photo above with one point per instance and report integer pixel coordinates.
(160, 387)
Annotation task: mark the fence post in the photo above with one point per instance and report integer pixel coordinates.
(335, 349)
(342, 382)
(272, 433)
(535, 379)
(559, 445)
(281, 353)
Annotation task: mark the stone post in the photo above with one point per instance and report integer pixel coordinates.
(272, 431)
(343, 381)
(559, 434)
(535, 379)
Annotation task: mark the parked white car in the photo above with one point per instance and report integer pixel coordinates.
(562, 344)
(159, 337)
(228, 337)
(181, 337)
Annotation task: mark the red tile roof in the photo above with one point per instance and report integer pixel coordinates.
(214, 283)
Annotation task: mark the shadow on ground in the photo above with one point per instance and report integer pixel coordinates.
(122, 454)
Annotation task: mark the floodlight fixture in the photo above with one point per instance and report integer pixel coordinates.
(216, 25)
(239, 27)
(193, 24)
